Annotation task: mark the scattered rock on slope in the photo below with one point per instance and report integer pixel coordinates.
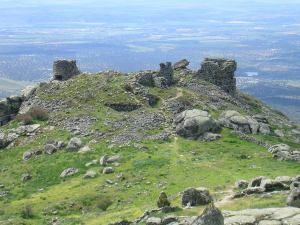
(196, 197)
(74, 144)
(69, 172)
(210, 216)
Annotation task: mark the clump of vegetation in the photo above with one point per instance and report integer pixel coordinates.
(103, 203)
(35, 113)
(27, 212)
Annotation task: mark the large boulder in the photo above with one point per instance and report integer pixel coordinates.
(195, 123)
(210, 216)
(74, 144)
(182, 64)
(294, 198)
(196, 197)
(271, 185)
(234, 120)
(69, 172)
(284, 152)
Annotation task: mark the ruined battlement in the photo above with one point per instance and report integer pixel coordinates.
(219, 72)
(64, 69)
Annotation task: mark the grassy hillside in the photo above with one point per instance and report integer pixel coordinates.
(148, 165)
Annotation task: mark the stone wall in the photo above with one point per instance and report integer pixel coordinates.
(64, 69)
(219, 72)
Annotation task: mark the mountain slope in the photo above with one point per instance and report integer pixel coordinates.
(114, 115)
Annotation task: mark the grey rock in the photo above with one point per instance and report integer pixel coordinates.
(113, 159)
(294, 198)
(84, 150)
(50, 149)
(272, 185)
(295, 185)
(284, 179)
(64, 69)
(90, 174)
(169, 220)
(29, 154)
(253, 190)
(153, 221)
(103, 160)
(26, 177)
(69, 172)
(196, 197)
(208, 136)
(284, 152)
(279, 133)
(74, 144)
(108, 170)
(256, 182)
(145, 79)
(194, 123)
(210, 216)
(264, 129)
(242, 184)
(182, 64)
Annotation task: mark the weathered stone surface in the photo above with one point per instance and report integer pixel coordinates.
(294, 198)
(284, 152)
(219, 72)
(74, 144)
(294, 185)
(69, 172)
(182, 64)
(272, 185)
(64, 69)
(50, 149)
(256, 182)
(29, 154)
(169, 220)
(108, 170)
(241, 184)
(234, 120)
(196, 197)
(153, 221)
(194, 123)
(253, 190)
(163, 200)
(26, 177)
(210, 216)
(90, 174)
(284, 179)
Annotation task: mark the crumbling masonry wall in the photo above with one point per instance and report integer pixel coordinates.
(219, 72)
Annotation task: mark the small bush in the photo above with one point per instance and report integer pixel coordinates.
(35, 113)
(27, 212)
(24, 118)
(103, 203)
(38, 113)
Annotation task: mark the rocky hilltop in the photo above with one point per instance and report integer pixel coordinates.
(100, 149)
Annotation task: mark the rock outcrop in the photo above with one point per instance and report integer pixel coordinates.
(210, 216)
(65, 69)
(219, 72)
(294, 198)
(196, 197)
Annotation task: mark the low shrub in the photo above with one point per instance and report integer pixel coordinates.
(27, 212)
(24, 118)
(38, 113)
